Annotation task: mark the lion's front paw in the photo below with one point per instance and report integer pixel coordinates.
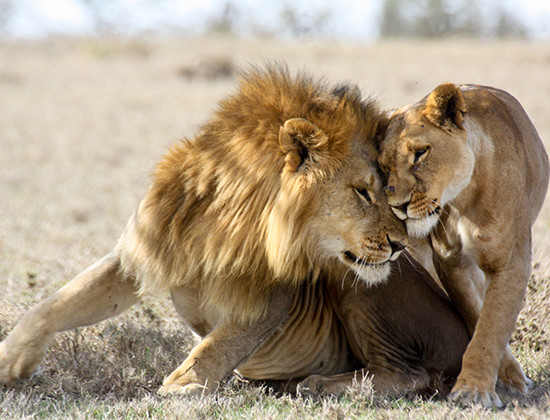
(189, 390)
(187, 382)
(16, 365)
(468, 395)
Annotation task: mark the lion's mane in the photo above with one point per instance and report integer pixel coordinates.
(223, 215)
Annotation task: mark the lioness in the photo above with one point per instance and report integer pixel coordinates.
(466, 167)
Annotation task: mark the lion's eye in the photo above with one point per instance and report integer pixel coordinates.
(420, 154)
(363, 195)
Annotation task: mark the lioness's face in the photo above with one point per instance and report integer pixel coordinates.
(426, 167)
(354, 221)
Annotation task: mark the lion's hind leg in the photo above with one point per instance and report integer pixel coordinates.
(97, 293)
(384, 380)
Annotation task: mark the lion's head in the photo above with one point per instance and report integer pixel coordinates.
(420, 143)
(279, 186)
(331, 204)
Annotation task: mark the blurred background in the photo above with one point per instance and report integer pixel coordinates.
(351, 19)
(93, 91)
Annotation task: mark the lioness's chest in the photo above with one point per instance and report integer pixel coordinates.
(457, 235)
(468, 234)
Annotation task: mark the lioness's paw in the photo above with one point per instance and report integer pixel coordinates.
(468, 396)
(511, 377)
(189, 390)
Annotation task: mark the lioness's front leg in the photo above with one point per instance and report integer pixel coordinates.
(490, 317)
(224, 349)
(483, 356)
(96, 294)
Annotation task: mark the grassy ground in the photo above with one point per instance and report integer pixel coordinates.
(82, 123)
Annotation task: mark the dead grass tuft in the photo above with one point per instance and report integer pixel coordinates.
(532, 329)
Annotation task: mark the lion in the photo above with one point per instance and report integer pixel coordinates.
(467, 170)
(278, 187)
(255, 227)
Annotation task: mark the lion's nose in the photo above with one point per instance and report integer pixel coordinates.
(396, 246)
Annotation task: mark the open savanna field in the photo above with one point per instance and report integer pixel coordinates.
(82, 123)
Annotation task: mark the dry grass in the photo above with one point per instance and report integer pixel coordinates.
(82, 124)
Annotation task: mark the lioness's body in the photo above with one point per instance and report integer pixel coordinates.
(467, 167)
(279, 188)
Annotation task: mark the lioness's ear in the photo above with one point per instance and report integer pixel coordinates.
(298, 138)
(445, 106)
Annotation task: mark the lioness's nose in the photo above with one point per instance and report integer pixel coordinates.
(402, 207)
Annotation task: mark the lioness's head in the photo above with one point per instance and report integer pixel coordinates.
(332, 196)
(425, 157)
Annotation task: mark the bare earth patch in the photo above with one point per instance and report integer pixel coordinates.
(82, 124)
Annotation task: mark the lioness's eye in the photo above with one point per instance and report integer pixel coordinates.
(419, 154)
(363, 194)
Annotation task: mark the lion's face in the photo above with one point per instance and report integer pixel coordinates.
(345, 214)
(354, 221)
(427, 162)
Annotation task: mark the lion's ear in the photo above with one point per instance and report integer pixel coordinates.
(299, 138)
(381, 128)
(445, 106)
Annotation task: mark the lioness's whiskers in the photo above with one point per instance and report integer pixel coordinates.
(415, 264)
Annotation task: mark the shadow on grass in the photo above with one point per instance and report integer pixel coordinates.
(125, 361)
(120, 364)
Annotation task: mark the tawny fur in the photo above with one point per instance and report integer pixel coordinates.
(353, 331)
(278, 190)
(467, 168)
(223, 214)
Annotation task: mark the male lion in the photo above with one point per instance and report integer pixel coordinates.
(403, 334)
(255, 222)
(466, 167)
(279, 187)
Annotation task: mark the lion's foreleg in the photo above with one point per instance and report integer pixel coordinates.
(96, 294)
(224, 349)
